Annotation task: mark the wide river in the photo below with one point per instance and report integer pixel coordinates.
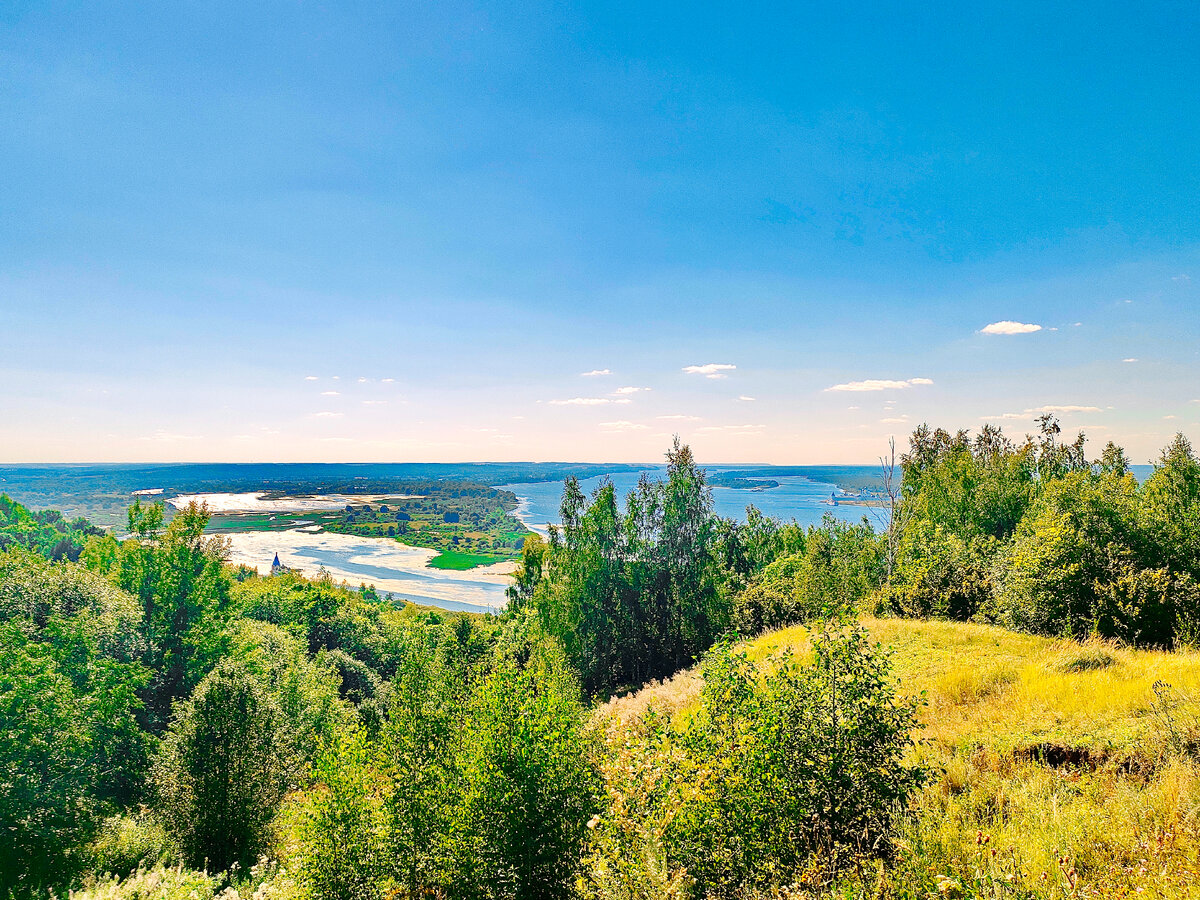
(402, 572)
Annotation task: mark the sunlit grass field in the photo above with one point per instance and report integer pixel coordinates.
(1060, 769)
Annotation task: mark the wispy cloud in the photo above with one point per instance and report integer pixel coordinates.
(629, 390)
(679, 418)
(879, 384)
(1007, 326)
(1068, 408)
(310, 377)
(331, 393)
(1029, 414)
(387, 380)
(327, 415)
(710, 370)
(895, 420)
(623, 425)
(169, 437)
(1130, 359)
(731, 429)
(589, 401)
(744, 399)
(595, 372)
(374, 402)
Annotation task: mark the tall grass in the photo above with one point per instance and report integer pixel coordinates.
(1065, 769)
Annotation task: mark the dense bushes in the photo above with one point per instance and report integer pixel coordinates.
(223, 768)
(839, 565)
(487, 798)
(1035, 537)
(46, 532)
(789, 770)
(70, 746)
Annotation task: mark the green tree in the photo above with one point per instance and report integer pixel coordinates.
(342, 826)
(223, 767)
(528, 785)
(418, 745)
(1171, 507)
(47, 768)
(178, 577)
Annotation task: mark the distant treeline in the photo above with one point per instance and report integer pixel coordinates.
(102, 492)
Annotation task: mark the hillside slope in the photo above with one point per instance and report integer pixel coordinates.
(1061, 769)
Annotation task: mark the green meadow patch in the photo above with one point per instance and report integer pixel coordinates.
(452, 559)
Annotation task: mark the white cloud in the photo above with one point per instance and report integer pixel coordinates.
(327, 415)
(710, 370)
(1181, 277)
(582, 401)
(623, 425)
(1130, 359)
(1170, 417)
(731, 429)
(895, 420)
(362, 380)
(387, 380)
(879, 384)
(595, 372)
(331, 393)
(629, 390)
(169, 437)
(697, 418)
(744, 399)
(853, 407)
(374, 402)
(590, 401)
(1029, 414)
(310, 377)
(1063, 409)
(1076, 324)
(1007, 326)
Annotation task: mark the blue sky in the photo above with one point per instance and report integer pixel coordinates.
(342, 231)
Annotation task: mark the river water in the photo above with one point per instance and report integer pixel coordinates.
(402, 572)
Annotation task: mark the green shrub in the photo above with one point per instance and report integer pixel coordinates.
(529, 786)
(223, 767)
(938, 574)
(127, 843)
(47, 768)
(839, 565)
(792, 766)
(342, 826)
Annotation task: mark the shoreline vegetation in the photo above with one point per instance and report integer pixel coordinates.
(995, 694)
(470, 525)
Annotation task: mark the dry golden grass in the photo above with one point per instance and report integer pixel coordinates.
(1061, 769)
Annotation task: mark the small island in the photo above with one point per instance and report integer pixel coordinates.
(741, 483)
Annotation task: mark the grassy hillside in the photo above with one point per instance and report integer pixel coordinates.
(1062, 769)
